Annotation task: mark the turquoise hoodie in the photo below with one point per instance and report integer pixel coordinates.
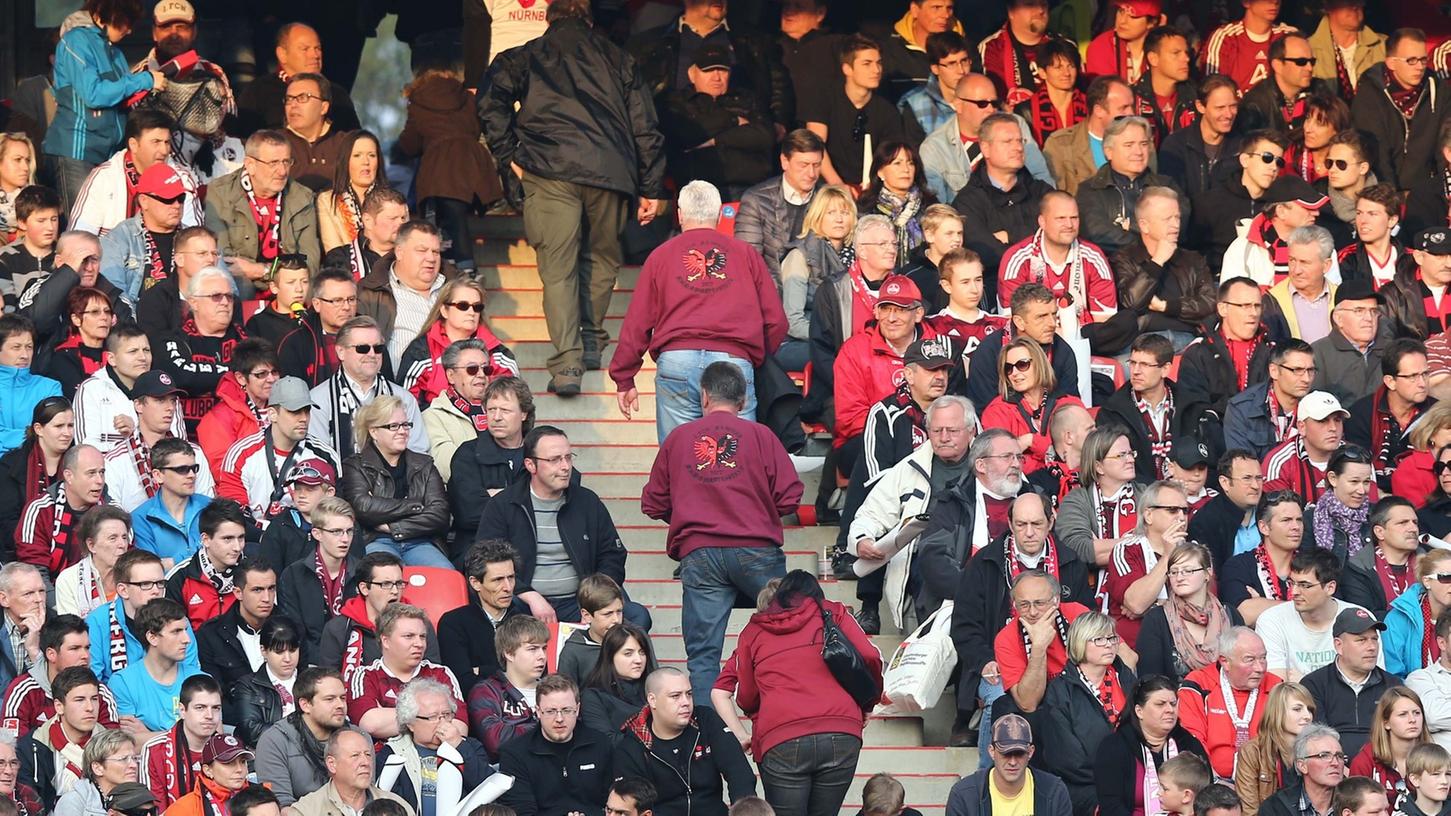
(21, 392)
(91, 80)
(1405, 632)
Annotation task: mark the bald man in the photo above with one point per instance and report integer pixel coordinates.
(948, 160)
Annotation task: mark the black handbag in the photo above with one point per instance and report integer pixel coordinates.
(846, 664)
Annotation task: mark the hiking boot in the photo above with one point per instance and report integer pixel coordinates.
(566, 383)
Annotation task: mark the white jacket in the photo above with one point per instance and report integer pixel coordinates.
(98, 401)
(124, 484)
(101, 203)
(1251, 259)
(902, 491)
(1433, 685)
(247, 479)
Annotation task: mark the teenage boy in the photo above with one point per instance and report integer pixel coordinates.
(289, 537)
(941, 233)
(288, 285)
(503, 706)
(149, 689)
(116, 641)
(171, 763)
(32, 255)
(960, 278)
(1428, 770)
(601, 607)
(312, 590)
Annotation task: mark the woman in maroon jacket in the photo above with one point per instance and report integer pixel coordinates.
(807, 732)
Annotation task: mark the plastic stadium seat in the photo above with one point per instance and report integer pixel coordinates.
(435, 590)
(1109, 367)
(1174, 367)
(727, 223)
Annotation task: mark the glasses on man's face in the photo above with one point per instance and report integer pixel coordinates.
(1305, 586)
(1255, 306)
(183, 470)
(292, 99)
(959, 64)
(1414, 375)
(1012, 457)
(558, 713)
(275, 164)
(557, 460)
(1414, 62)
(1358, 312)
(1177, 509)
(388, 586)
(442, 716)
(463, 306)
(364, 348)
(217, 298)
(982, 104)
(1327, 756)
(395, 427)
(1027, 606)
(1298, 371)
(472, 369)
(146, 586)
(1269, 158)
(342, 301)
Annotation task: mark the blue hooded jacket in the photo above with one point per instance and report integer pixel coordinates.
(91, 81)
(99, 624)
(22, 390)
(1405, 628)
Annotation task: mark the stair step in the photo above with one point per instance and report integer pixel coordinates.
(499, 275)
(497, 226)
(511, 328)
(916, 759)
(535, 354)
(594, 382)
(616, 430)
(663, 593)
(530, 302)
(799, 540)
(648, 562)
(593, 405)
(670, 647)
(505, 251)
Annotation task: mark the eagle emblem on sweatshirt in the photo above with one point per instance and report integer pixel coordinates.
(710, 451)
(699, 264)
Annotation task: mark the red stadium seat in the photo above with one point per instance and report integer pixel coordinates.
(1174, 367)
(434, 590)
(727, 223)
(1109, 367)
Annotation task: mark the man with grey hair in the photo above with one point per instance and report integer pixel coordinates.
(456, 416)
(1221, 703)
(43, 537)
(1000, 199)
(22, 599)
(717, 769)
(702, 297)
(1169, 288)
(258, 214)
(429, 738)
(571, 117)
(349, 760)
(1108, 199)
(908, 488)
(1321, 764)
(1304, 297)
(196, 355)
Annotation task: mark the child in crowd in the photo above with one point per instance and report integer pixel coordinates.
(1428, 770)
(32, 255)
(1221, 800)
(1181, 779)
(941, 234)
(883, 795)
(502, 707)
(288, 286)
(601, 606)
(960, 275)
(751, 806)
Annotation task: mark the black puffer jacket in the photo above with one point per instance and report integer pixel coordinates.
(1184, 158)
(758, 69)
(1073, 726)
(1207, 378)
(740, 154)
(367, 484)
(1405, 152)
(586, 114)
(1217, 213)
(251, 706)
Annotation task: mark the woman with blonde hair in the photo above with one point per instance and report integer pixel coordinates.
(820, 253)
(340, 210)
(457, 314)
(1399, 724)
(1025, 403)
(1267, 762)
(398, 495)
(17, 171)
(1414, 475)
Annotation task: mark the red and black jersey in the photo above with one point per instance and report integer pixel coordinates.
(28, 704)
(374, 686)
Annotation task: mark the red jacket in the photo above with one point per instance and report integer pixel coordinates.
(187, 586)
(721, 481)
(229, 420)
(1108, 56)
(202, 801)
(1012, 418)
(1413, 477)
(867, 370)
(782, 683)
(1202, 713)
(700, 290)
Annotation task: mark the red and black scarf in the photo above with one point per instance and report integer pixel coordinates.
(1438, 313)
(1013, 565)
(332, 588)
(90, 359)
(1045, 119)
(351, 209)
(1406, 100)
(1058, 623)
(177, 760)
(1019, 63)
(1067, 480)
(1342, 76)
(62, 520)
(141, 458)
(1279, 250)
(1274, 587)
(37, 480)
(1430, 649)
(1384, 431)
(268, 219)
(133, 179)
(1393, 581)
(1242, 363)
(1117, 514)
(473, 410)
(1110, 697)
(1160, 440)
(156, 270)
(1284, 421)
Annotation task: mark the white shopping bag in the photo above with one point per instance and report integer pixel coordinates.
(922, 665)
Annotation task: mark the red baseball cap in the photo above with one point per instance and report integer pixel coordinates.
(161, 180)
(1142, 8)
(899, 290)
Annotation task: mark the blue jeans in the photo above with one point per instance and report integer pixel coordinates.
(810, 775)
(677, 387)
(712, 578)
(70, 175)
(415, 553)
(989, 692)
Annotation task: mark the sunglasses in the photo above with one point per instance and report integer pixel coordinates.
(185, 470)
(472, 369)
(172, 200)
(1441, 577)
(464, 306)
(1269, 158)
(304, 472)
(1338, 164)
(1299, 62)
(364, 348)
(1021, 365)
(1441, 467)
(981, 103)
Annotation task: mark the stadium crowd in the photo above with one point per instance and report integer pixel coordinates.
(1125, 329)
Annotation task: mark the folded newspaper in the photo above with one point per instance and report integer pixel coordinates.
(892, 543)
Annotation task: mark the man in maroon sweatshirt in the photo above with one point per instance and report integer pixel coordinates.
(722, 482)
(702, 297)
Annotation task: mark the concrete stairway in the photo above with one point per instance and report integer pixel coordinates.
(615, 456)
